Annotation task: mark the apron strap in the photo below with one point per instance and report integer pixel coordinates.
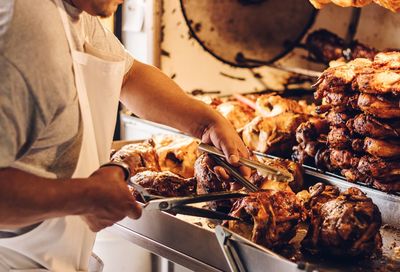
(65, 21)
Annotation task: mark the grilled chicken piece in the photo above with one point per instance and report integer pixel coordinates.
(382, 148)
(379, 106)
(393, 5)
(311, 138)
(338, 119)
(388, 60)
(367, 125)
(341, 101)
(339, 79)
(311, 130)
(273, 135)
(165, 183)
(343, 159)
(392, 186)
(353, 175)
(236, 113)
(177, 154)
(378, 82)
(209, 182)
(142, 155)
(284, 166)
(378, 168)
(325, 46)
(320, 194)
(339, 138)
(346, 225)
(343, 3)
(270, 218)
(273, 105)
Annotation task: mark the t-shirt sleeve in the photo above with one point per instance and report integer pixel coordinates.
(20, 119)
(104, 40)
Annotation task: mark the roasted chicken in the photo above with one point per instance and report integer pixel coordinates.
(345, 225)
(343, 3)
(339, 79)
(236, 113)
(338, 119)
(363, 100)
(343, 159)
(209, 182)
(379, 106)
(273, 135)
(141, 155)
(284, 166)
(311, 139)
(270, 105)
(367, 125)
(382, 148)
(165, 183)
(325, 46)
(177, 154)
(393, 5)
(270, 218)
(379, 168)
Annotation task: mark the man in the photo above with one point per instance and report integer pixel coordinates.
(60, 79)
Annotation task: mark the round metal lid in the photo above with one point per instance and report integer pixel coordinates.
(263, 30)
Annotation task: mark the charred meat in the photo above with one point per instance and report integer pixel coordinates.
(236, 113)
(273, 135)
(209, 182)
(165, 183)
(325, 46)
(142, 156)
(270, 218)
(379, 106)
(367, 125)
(345, 225)
(177, 154)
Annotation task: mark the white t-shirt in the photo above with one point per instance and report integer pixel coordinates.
(40, 125)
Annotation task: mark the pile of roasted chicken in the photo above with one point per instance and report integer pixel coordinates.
(393, 5)
(359, 135)
(345, 224)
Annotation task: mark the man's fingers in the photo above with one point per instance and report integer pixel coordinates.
(231, 153)
(135, 212)
(245, 171)
(221, 173)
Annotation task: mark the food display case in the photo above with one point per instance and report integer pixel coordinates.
(222, 48)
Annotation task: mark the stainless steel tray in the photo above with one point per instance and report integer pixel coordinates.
(197, 248)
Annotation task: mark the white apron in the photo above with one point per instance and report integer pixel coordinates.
(65, 244)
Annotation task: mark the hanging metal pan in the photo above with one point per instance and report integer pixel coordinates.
(264, 30)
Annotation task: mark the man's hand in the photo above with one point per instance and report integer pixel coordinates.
(222, 135)
(110, 199)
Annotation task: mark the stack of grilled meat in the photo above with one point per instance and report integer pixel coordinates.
(325, 46)
(342, 224)
(362, 101)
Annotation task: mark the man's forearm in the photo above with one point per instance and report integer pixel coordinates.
(151, 95)
(27, 199)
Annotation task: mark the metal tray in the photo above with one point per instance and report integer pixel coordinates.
(197, 248)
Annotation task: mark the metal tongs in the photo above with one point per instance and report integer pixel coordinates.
(177, 205)
(266, 170)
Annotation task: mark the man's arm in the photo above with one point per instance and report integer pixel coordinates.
(102, 199)
(151, 95)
